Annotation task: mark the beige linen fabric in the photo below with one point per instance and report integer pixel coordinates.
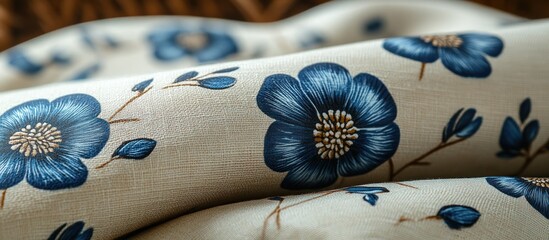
(401, 213)
(207, 139)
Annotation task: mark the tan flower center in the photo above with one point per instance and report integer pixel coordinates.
(192, 42)
(443, 40)
(540, 182)
(43, 138)
(334, 134)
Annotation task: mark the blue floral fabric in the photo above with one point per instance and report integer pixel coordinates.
(535, 190)
(463, 54)
(45, 141)
(204, 45)
(327, 124)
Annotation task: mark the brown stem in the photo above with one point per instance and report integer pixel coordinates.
(102, 165)
(311, 199)
(530, 158)
(423, 156)
(124, 120)
(430, 218)
(406, 185)
(266, 221)
(194, 83)
(2, 198)
(421, 70)
(138, 95)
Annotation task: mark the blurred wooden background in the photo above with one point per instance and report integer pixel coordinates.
(21, 20)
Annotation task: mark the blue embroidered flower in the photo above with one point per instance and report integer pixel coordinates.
(45, 141)
(535, 190)
(463, 54)
(370, 193)
(327, 124)
(19, 60)
(206, 44)
(72, 232)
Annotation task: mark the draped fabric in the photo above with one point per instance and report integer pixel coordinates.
(192, 128)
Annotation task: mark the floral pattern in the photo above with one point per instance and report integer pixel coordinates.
(461, 126)
(454, 216)
(516, 140)
(73, 232)
(462, 54)
(19, 60)
(203, 44)
(44, 141)
(327, 124)
(535, 190)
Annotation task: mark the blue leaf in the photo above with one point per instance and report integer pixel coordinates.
(55, 233)
(86, 72)
(371, 199)
(510, 137)
(111, 42)
(86, 235)
(525, 108)
(458, 216)
(449, 128)
(276, 198)
(140, 87)
(135, 149)
(19, 60)
(508, 154)
(186, 76)
(60, 58)
(373, 25)
(217, 82)
(226, 70)
(465, 119)
(72, 231)
(366, 190)
(470, 129)
(530, 133)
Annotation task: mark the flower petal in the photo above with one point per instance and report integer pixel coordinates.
(288, 146)
(86, 235)
(73, 108)
(326, 85)
(510, 136)
(12, 169)
(489, 44)
(55, 233)
(465, 63)
(373, 147)
(312, 174)
(370, 103)
(413, 48)
(18, 59)
(167, 51)
(18, 117)
(281, 98)
(86, 138)
(512, 186)
(538, 197)
(465, 119)
(64, 171)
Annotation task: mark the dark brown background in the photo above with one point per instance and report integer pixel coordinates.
(21, 20)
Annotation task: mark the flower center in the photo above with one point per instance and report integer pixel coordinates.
(334, 134)
(443, 40)
(193, 41)
(43, 138)
(540, 182)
